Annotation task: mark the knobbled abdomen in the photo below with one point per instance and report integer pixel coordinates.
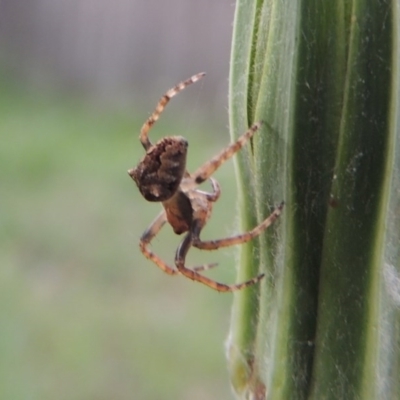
(161, 170)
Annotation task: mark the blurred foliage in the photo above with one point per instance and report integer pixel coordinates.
(83, 315)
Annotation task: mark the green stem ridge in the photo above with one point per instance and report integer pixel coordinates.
(324, 77)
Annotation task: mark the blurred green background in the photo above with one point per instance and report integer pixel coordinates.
(83, 314)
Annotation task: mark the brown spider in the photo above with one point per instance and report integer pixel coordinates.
(161, 176)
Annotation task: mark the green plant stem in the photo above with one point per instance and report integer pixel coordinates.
(323, 76)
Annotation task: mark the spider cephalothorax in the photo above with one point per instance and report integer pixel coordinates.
(161, 176)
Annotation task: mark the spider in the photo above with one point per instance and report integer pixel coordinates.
(161, 176)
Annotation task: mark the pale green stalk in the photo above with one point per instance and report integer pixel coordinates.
(324, 77)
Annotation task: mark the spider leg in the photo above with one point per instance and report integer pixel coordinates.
(161, 105)
(195, 276)
(214, 196)
(238, 239)
(148, 236)
(208, 168)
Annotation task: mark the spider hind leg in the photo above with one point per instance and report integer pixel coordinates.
(209, 167)
(162, 103)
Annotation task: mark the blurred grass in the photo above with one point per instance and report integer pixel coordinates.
(82, 314)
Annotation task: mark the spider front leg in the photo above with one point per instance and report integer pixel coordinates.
(242, 238)
(214, 195)
(180, 258)
(144, 139)
(148, 236)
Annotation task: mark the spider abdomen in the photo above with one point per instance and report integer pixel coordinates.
(161, 170)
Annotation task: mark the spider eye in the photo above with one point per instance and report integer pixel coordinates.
(159, 173)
